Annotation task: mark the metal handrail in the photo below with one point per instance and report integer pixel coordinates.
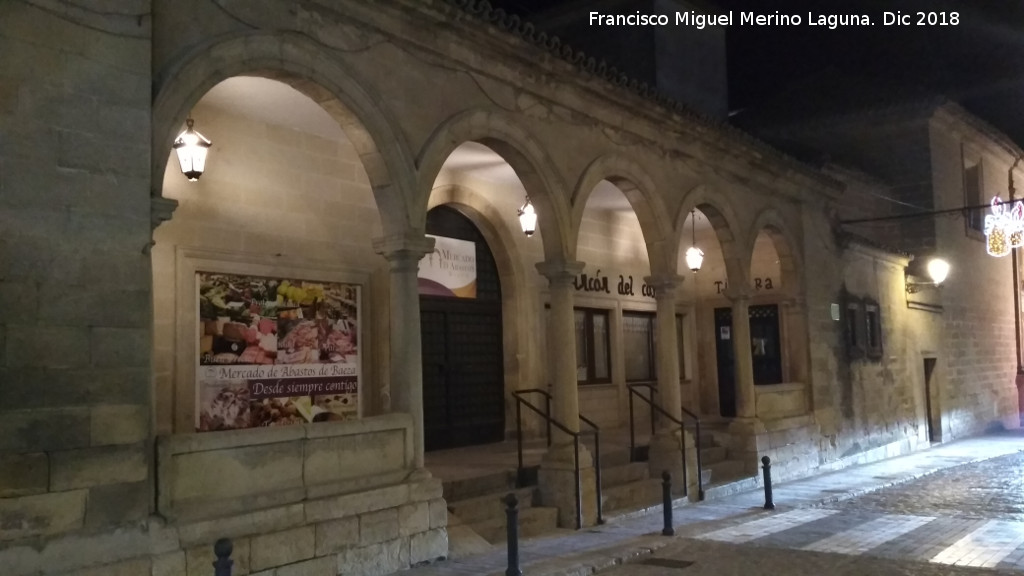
(682, 427)
(546, 414)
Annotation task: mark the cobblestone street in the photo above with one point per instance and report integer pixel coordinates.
(951, 522)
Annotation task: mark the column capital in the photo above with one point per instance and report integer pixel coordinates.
(160, 210)
(403, 249)
(560, 271)
(664, 284)
(736, 294)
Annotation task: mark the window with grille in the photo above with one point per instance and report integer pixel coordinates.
(638, 345)
(592, 346)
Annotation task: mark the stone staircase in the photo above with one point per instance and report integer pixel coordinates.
(626, 486)
(476, 512)
(723, 476)
(629, 486)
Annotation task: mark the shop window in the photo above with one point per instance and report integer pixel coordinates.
(638, 345)
(872, 331)
(592, 346)
(973, 196)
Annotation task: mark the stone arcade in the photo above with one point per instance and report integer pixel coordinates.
(340, 132)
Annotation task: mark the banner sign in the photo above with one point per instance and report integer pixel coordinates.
(275, 351)
(450, 270)
(1004, 227)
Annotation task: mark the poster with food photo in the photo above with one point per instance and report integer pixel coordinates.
(275, 351)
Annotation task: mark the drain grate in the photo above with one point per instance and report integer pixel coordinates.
(667, 563)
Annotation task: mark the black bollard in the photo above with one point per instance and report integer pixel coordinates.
(222, 550)
(767, 467)
(512, 530)
(666, 503)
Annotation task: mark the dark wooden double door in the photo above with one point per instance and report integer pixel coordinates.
(766, 352)
(463, 368)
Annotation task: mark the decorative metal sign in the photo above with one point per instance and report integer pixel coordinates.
(1004, 227)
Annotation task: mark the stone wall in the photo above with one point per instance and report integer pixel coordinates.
(316, 500)
(977, 298)
(74, 272)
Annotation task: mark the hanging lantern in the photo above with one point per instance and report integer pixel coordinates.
(191, 147)
(694, 258)
(528, 218)
(694, 255)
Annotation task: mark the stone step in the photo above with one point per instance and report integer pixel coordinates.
(623, 474)
(490, 506)
(632, 496)
(731, 487)
(725, 471)
(463, 541)
(466, 488)
(533, 521)
(712, 454)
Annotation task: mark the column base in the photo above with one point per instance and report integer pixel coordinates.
(749, 442)
(556, 481)
(664, 455)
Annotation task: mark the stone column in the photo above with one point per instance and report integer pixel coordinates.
(561, 344)
(665, 445)
(743, 356)
(749, 437)
(403, 253)
(557, 474)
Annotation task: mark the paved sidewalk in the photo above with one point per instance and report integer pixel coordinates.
(588, 550)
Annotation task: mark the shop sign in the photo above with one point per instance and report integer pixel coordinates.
(1004, 227)
(274, 351)
(759, 284)
(450, 270)
(599, 283)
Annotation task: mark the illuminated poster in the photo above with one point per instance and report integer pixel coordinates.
(450, 270)
(275, 351)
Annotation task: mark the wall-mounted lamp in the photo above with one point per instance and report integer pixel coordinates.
(938, 270)
(694, 255)
(528, 218)
(191, 147)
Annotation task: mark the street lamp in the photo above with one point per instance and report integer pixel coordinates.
(938, 270)
(191, 147)
(694, 255)
(528, 218)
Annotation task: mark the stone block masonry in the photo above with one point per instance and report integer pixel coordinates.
(376, 524)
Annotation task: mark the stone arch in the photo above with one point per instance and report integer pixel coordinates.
(306, 67)
(521, 150)
(786, 247)
(639, 189)
(518, 325)
(726, 224)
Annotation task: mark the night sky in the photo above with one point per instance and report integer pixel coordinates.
(979, 63)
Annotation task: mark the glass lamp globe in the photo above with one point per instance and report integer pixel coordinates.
(528, 218)
(694, 258)
(192, 148)
(938, 269)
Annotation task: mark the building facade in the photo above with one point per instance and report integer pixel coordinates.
(252, 356)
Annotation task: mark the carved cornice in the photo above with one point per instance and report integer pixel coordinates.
(160, 210)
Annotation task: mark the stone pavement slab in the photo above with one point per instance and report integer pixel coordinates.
(632, 539)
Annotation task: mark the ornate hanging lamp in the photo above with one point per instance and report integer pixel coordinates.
(528, 218)
(694, 255)
(192, 148)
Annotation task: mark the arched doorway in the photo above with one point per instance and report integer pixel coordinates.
(463, 377)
